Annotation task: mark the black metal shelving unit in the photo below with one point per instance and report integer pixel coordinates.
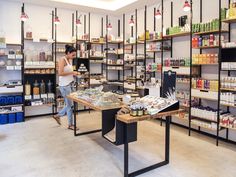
(120, 45)
(46, 77)
(225, 55)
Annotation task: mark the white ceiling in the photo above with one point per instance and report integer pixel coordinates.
(126, 5)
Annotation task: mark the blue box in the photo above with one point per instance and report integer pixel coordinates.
(3, 100)
(11, 118)
(19, 117)
(3, 119)
(18, 99)
(10, 100)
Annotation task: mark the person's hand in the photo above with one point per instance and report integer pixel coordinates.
(75, 73)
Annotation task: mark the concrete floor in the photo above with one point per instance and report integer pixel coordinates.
(40, 148)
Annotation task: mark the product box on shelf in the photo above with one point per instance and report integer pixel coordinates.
(3, 119)
(11, 118)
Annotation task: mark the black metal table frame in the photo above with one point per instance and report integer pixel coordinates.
(126, 146)
(152, 167)
(75, 127)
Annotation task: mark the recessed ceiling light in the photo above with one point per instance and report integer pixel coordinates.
(112, 5)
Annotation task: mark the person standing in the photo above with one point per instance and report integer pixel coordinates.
(66, 78)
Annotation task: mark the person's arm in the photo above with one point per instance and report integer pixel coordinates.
(61, 72)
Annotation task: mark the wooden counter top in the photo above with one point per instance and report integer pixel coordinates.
(126, 118)
(90, 105)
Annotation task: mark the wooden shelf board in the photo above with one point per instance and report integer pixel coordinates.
(228, 89)
(203, 119)
(177, 35)
(63, 42)
(205, 98)
(224, 126)
(203, 127)
(14, 105)
(207, 47)
(211, 32)
(227, 105)
(13, 44)
(209, 64)
(232, 20)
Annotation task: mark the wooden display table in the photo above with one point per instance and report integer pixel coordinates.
(127, 119)
(125, 130)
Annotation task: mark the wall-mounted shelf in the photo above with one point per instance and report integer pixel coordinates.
(207, 47)
(233, 20)
(182, 34)
(211, 32)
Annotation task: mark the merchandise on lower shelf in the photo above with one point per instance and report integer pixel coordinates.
(206, 41)
(212, 126)
(228, 98)
(228, 65)
(228, 44)
(177, 62)
(204, 84)
(228, 83)
(39, 71)
(9, 116)
(204, 113)
(228, 120)
(158, 47)
(183, 97)
(205, 58)
(153, 67)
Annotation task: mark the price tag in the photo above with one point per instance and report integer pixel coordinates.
(11, 56)
(44, 96)
(36, 97)
(50, 95)
(28, 97)
(36, 40)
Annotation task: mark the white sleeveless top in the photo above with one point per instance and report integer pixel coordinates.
(66, 80)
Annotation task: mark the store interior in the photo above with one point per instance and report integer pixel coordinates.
(157, 76)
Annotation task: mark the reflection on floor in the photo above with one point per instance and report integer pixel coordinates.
(40, 148)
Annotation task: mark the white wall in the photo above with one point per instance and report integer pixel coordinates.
(40, 23)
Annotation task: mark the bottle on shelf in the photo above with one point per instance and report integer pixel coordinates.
(42, 87)
(36, 88)
(27, 88)
(49, 86)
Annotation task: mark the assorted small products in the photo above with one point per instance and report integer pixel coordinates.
(38, 88)
(203, 124)
(138, 109)
(178, 29)
(204, 84)
(153, 67)
(60, 49)
(228, 98)
(228, 120)
(83, 51)
(115, 62)
(206, 41)
(183, 97)
(228, 82)
(182, 79)
(177, 62)
(228, 65)
(205, 58)
(158, 47)
(228, 44)
(204, 112)
(100, 40)
(213, 25)
(98, 98)
(82, 68)
(229, 13)
(39, 71)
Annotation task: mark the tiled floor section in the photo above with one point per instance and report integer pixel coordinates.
(40, 148)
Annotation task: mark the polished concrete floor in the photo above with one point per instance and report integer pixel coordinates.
(40, 148)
